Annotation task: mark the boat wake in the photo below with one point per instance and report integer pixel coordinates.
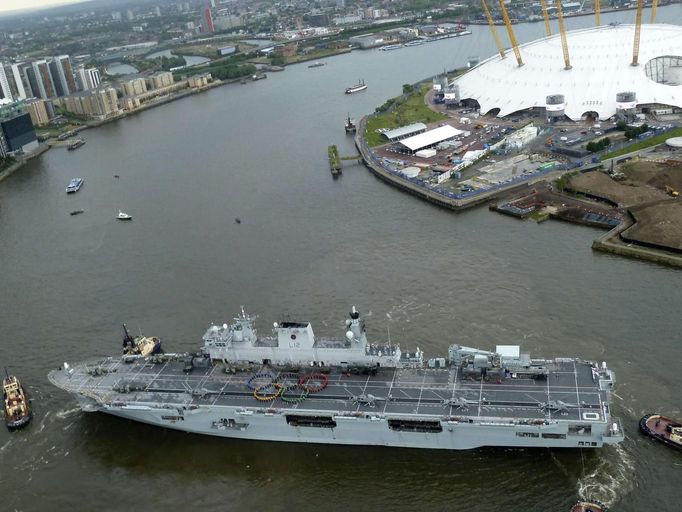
(2, 448)
(611, 478)
(63, 414)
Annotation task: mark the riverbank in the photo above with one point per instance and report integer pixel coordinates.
(53, 141)
(42, 148)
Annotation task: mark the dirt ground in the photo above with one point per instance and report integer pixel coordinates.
(626, 193)
(654, 174)
(659, 224)
(658, 215)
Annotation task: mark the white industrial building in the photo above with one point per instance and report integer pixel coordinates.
(431, 138)
(404, 132)
(601, 79)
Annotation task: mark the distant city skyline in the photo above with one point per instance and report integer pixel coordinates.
(16, 5)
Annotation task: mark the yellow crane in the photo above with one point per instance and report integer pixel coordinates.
(654, 4)
(496, 36)
(562, 31)
(597, 12)
(638, 29)
(510, 31)
(546, 17)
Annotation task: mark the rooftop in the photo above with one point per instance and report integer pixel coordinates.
(601, 67)
(431, 137)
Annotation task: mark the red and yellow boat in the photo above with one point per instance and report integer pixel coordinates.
(663, 429)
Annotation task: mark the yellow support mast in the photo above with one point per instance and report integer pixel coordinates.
(638, 29)
(562, 31)
(597, 12)
(654, 4)
(546, 17)
(496, 36)
(510, 31)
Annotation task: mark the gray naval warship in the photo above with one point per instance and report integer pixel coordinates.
(294, 386)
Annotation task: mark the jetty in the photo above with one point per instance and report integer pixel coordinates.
(334, 160)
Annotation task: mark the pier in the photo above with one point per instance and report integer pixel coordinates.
(334, 160)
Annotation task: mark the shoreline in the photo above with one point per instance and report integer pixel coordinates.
(54, 142)
(42, 148)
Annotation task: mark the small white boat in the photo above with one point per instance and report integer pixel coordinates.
(123, 216)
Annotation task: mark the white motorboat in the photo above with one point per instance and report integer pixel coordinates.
(123, 216)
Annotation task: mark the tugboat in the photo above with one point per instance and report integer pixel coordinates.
(360, 86)
(663, 429)
(74, 185)
(589, 506)
(350, 125)
(17, 405)
(140, 345)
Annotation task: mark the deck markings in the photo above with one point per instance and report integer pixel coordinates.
(480, 397)
(577, 394)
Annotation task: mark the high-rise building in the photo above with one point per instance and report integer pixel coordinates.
(157, 11)
(88, 78)
(207, 24)
(20, 81)
(44, 85)
(65, 74)
(53, 66)
(5, 90)
(129, 15)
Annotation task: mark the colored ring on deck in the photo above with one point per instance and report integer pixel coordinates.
(266, 392)
(289, 397)
(253, 385)
(304, 382)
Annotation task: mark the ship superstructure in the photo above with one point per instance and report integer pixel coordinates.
(294, 386)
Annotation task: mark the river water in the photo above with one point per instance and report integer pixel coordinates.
(310, 247)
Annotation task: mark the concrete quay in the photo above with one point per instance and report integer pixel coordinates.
(611, 242)
(22, 161)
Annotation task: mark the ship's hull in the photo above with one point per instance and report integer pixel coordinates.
(349, 430)
(353, 90)
(19, 423)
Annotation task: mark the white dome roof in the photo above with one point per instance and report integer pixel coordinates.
(600, 59)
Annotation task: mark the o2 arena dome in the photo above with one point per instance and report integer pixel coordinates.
(601, 80)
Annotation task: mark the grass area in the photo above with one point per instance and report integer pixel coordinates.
(210, 51)
(400, 113)
(653, 141)
(55, 131)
